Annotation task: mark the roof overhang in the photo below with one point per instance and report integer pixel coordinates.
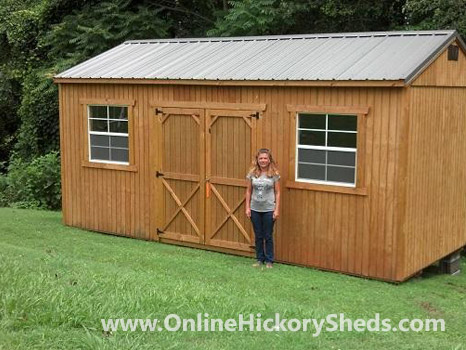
(296, 83)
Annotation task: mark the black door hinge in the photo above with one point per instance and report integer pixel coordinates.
(159, 231)
(158, 111)
(158, 174)
(255, 115)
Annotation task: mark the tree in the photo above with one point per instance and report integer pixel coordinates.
(360, 16)
(436, 14)
(9, 103)
(258, 17)
(96, 28)
(261, 17)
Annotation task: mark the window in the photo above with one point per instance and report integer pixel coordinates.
(326, 148)
(108, 134)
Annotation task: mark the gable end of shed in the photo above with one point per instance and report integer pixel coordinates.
(443, 68)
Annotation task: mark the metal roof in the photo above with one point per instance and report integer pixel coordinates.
(347, 56)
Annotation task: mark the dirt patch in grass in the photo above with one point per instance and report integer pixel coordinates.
(459, 289)
(432, 310)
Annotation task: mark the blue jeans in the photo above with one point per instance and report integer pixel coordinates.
(262, 223)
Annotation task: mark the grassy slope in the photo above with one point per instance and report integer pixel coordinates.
(56, 283)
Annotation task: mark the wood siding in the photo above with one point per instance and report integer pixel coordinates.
(351, 233)
(434, 222)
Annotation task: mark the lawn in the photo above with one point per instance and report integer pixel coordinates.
(57, 283)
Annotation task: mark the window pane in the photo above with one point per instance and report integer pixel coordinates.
(343, 122)
(118, 126)
(341, 139)
(98, 125)
(119, 155)
(313, 138)
(311, 156)
(118, 112)
(314, 172)
(119, 141)
(98, 112)
(100, 153)
(100, 140)
(341, 158)
(312, 121)
(339, 174)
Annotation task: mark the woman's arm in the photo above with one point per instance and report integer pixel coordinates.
(248, 199)
(276, 212)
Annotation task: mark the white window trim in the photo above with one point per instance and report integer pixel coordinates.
(325, 148)
(89, 133)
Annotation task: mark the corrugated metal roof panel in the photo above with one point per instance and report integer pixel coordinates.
(350, 56)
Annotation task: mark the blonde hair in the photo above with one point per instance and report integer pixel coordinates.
(256, 169)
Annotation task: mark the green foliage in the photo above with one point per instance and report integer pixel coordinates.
(9, 103)
(39, 132)
(22, 28)
(250, 17)
(32, 185)
(20, 57)
(191, 18)
(3, 191)
(97, 28)
(19, 32)
(436, 14)
(259, 17)
(360, 16)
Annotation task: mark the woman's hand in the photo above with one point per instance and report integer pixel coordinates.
(248, 213)
(276, 214)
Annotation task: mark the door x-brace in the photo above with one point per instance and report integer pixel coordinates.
(215, 118)
(163, 118)
(181, 206)
(230, 214)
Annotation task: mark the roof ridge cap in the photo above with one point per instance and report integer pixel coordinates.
(290, 37)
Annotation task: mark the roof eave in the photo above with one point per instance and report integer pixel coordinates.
(326, 83)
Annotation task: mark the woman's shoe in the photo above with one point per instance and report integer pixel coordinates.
(257, 264)
(269, 265)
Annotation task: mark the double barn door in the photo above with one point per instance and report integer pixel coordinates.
(204, 155)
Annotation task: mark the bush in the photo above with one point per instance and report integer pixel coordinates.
(32, 185)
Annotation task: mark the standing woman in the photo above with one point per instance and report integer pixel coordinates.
(263, 204)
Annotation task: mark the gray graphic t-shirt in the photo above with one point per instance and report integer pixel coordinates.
(263, 192)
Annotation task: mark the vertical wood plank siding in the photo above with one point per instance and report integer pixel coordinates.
(343, 232)
(435, 219)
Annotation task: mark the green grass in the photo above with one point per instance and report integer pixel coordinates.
(56, 283)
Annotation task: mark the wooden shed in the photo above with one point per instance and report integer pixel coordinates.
(369, 131)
